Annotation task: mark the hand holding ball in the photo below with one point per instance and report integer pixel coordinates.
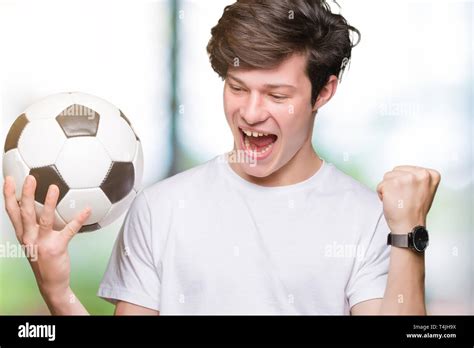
(83, 145)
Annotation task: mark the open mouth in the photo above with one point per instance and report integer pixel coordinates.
(257, 144)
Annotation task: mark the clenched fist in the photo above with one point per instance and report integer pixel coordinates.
(407, 193)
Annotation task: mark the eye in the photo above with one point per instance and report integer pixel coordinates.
(278, 97)
(235, 88)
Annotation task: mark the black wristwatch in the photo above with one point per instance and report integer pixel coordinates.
(417, 239)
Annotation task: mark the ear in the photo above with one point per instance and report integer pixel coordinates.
(326, 92)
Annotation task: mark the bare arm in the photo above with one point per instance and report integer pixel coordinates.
(68, 304)
(126, 308)
(405, 290)
(407, 193)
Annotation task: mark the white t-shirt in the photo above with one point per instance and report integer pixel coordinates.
(206, 241)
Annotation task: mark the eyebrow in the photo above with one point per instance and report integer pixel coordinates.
(267, 85)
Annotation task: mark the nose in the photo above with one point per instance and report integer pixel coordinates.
(253, 111)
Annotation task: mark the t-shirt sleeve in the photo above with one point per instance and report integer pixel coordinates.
(131, 274)
(369, 276)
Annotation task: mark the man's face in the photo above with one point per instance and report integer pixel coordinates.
(276, 102)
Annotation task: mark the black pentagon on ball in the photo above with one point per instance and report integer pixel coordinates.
(46, 176)
(89, 228)
(15, 132)
(119, 181)
(78, 121)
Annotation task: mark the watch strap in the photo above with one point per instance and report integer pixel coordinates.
(398, 240)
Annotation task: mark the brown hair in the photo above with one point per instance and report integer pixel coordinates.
(262, 33)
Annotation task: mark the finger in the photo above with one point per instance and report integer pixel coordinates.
(46, 219)
(425, 175)
(435, 180)
(27, 207)
(435, 177)
(393, 174)
(420, 172)
(387, 176)
(380, 190)
(11, 205)
(407, 168)
(71, 229)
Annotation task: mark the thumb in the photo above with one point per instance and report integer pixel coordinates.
(71, 229)
(380, 191)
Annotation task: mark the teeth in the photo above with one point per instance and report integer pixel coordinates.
(265, 149)
(261, 152)
(254, 134)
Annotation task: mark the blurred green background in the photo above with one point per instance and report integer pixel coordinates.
(406, 99)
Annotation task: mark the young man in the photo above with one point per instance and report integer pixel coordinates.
(270, 228)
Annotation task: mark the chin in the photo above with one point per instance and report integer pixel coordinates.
(256, 171)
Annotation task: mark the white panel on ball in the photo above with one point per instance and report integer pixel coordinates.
(49, 107)
(118, 209)
(40, 142)
(83, 162)
(58, 224)
(118, 138)
(114, 132)
(13, 165)
(138, 167)
(77, 200)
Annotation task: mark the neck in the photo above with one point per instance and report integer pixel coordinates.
(304, 164)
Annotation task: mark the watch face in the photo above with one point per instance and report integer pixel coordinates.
(420, 238)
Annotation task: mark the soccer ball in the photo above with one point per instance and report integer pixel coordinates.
(84, 145)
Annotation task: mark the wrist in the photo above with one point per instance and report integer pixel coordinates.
(417, 239)
(57, 297)
(406, 227)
